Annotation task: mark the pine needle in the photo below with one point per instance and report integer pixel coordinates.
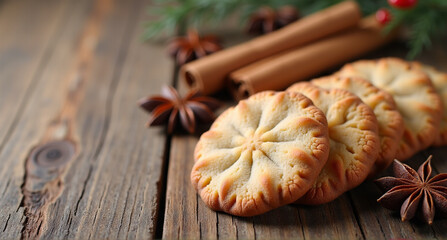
(427, 20)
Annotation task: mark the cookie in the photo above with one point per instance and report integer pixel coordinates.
(353, 137)
(415, 97)
(439, 80)
(382, 103)
(264, 153)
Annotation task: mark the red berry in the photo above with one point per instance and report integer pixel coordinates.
(383, 16)
(402, 3)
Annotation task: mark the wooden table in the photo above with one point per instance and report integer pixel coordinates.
(71, 72)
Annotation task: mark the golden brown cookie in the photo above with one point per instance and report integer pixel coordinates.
(353, 137)
(439, 80)
(415, 97)
(264, 153)
(382, 103)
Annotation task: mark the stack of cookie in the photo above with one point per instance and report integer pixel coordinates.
(319, 139)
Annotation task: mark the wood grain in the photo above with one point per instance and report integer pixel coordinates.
(354, 215)
(376, 221)
(24, 51)
(87, 92)
(186, 216)
(28, 34)
(73, 71)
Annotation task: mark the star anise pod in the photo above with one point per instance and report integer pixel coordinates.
(410, 190)
(193, 46)
(266, 19)
(171, 108)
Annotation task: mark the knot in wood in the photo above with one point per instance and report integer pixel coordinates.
(53, 154)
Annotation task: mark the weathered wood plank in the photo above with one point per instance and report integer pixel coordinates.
(28, 33)
(354, 215)
(334, 220)
(375, 221)
(439, 164)
(182, 203)
(81, 84)
(378, 222)
(87, 93)
(186, 215)
(437, 56)
(123, 194)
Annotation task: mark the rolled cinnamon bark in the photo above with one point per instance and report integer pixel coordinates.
(279, 71)
(208, 74)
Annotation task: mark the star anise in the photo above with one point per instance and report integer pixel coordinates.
(266, 19)
(410, 190)
(193, 46)
(171, 108)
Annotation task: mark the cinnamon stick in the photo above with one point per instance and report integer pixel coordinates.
(279, 71)
(208, 74)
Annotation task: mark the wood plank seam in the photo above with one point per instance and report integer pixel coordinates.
(161, 186)
(161, 191)
(122, 56)
(217, 225)
(298, 218)
(356, 214)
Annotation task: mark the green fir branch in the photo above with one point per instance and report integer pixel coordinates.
(426, 21)
(426, 26)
